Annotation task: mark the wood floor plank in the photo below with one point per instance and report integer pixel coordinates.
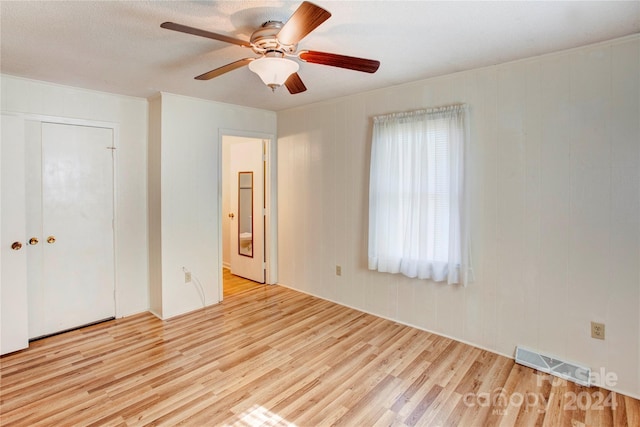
(270, 355)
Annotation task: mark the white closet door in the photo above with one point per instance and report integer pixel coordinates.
(13, 260)
(78, 280)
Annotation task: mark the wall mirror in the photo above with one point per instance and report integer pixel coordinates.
(245, 214)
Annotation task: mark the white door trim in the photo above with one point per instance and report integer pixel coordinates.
(115, 127)
(271, 225)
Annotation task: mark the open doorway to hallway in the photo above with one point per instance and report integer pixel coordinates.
(246, 210)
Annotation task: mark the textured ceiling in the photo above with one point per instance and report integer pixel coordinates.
(119, 47)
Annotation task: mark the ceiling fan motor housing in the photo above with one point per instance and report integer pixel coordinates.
(264, 39)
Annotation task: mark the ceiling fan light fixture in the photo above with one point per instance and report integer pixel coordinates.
(274, 71)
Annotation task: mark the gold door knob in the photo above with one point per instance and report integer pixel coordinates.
(33, 241)
(16, 246)
(51, 239)
(231, 215)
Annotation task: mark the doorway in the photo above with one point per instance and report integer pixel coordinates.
(246, 210)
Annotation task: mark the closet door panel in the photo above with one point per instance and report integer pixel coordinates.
(13, 259)
(78, 278)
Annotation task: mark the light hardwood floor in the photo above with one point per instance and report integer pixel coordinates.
(268, 355)
(235, 284)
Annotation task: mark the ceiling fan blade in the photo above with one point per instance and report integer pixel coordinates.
(294, 84)
(202, 33)
(342, 61)
(305, 19)
(224, 69)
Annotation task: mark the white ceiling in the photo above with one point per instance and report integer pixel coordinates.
(119, 47)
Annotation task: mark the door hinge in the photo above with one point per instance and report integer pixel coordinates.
(264, 211)
(264, 157)
(264, 265)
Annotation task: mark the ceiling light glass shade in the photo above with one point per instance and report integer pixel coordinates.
(274, 71)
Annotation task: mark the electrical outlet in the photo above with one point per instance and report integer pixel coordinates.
(187, 277)
(338, 270)
(597, 330)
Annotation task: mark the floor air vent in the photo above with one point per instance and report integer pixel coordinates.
(551, 365)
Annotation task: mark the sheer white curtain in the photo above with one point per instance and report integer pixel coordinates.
(418, 222)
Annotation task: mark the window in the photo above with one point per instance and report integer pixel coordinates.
(417, 199)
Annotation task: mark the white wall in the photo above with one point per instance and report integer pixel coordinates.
(39, 98)
(555, 173)
(191, 195)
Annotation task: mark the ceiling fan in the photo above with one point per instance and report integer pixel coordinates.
(275, 42)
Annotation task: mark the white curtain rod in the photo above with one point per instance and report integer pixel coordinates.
(420, 112)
